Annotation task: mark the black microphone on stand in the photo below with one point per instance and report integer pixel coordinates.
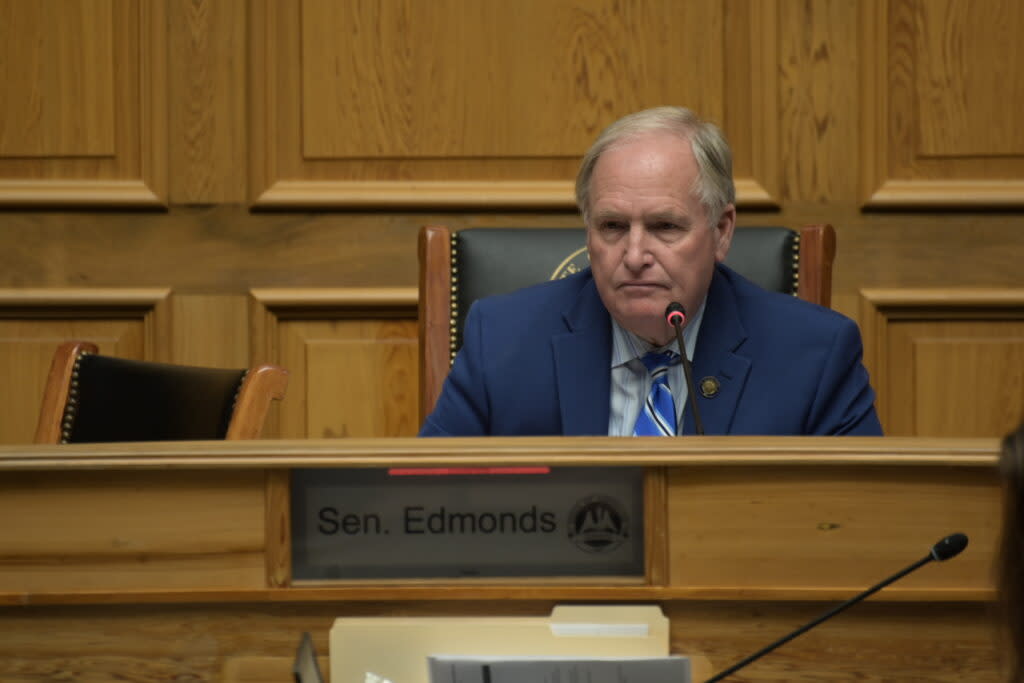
(950, 546)
(675, 314)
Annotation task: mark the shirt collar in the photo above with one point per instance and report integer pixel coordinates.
(626, 346)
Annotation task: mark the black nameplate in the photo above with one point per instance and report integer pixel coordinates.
(364, 524)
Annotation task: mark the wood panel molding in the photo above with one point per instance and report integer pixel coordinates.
(75, 193)
(945, 362)
(554, 195)
(208, 119)
(540, 195)
(656, 562)
(949, 194)
(712, 451)
(351, 354)
(293, 301)
(113, 299)
(751, 194)
(409, 146)
(133, 323)
(149, 308)
(118, 49)
(752, 85)
(302, 329)
(938, 131)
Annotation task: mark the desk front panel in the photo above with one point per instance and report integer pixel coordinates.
(113, 531)
(833, 530)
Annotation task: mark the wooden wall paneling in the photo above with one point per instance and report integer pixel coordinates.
(818, 109)
(939, 117)
(352, 357)
(875, 96)
(207, 95)
(86, 86)
(223, 249)
(33, 322)
(59, 81)
(262, 92)
(152, 102)
(353, 363)
(393, 116)
(752, 83)
(952, 365)
(946, 362)
(361, 376)
(957, 45)
(210, 330)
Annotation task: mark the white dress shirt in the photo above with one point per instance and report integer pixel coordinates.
(631, 382)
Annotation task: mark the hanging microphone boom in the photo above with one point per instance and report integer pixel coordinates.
(949, 547)
(675, 314)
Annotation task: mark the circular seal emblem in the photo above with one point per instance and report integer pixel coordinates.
(598, 524)
(573, 263)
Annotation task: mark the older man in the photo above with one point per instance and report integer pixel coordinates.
(593, 353)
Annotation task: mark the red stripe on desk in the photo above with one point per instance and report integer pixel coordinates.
(445, 471)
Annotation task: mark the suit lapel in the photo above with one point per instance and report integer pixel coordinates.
(721, 333)
(583, 365)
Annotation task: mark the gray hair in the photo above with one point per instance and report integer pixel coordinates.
(714, 187)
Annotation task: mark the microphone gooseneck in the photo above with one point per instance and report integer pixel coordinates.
(949, 547)
(675, 315)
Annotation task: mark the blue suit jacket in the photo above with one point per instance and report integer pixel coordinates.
(538, 362)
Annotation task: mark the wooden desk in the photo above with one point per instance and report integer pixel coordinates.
(172, 559)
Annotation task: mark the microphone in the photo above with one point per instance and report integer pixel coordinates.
(949, 547)
(675, 314)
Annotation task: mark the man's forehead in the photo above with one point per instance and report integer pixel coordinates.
(654, 213)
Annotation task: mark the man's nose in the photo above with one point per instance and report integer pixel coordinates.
(637, 254)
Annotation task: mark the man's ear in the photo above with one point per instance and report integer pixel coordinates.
(724, 231)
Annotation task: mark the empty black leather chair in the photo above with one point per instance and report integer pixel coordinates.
(93, 398)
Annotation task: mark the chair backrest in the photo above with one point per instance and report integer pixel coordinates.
(459, 267)
(91, 398)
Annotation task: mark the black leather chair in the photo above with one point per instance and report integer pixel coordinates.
(92, 398)
(459, 267)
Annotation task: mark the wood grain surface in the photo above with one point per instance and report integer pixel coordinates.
(168, 570)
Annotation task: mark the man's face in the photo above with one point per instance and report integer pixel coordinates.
(648, 238)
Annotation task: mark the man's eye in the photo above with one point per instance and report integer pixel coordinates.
(613, 226)
(665, 226)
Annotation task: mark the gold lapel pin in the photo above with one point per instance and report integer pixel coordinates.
(709, 387)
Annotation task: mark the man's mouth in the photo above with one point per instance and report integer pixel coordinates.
(641, 285)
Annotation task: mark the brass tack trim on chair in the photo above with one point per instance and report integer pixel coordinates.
(453, 305)
(796, 265)
(238, 390)
(71, 406)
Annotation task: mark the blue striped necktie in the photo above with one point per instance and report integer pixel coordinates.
(658, 418)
